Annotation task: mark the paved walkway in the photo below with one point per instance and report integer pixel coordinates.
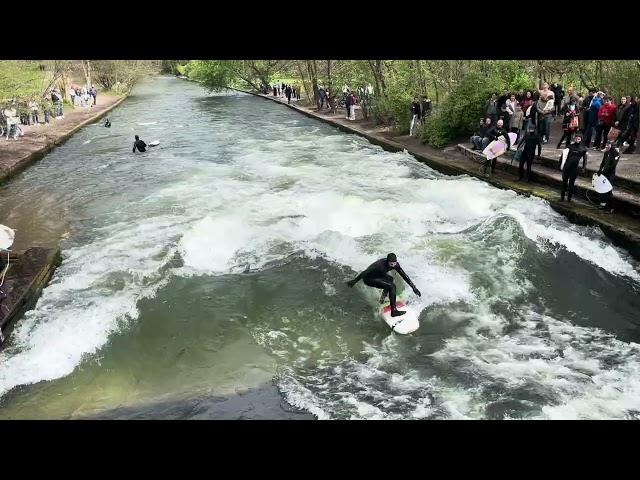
(16, 155)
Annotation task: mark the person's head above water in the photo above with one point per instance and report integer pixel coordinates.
(137, 137)
(392, 260)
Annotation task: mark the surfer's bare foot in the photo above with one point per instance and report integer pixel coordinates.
(397, 313)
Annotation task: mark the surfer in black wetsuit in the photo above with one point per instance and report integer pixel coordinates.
(577, 151)
(140, 145)
(107, 123)
(376, 276)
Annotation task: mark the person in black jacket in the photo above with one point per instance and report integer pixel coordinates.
(481, 132)
(347, 102)
(622, 115)
(531, 141)
(140, 145)
(631, 132)
(425, 107)
(608, 169)
(569, 113)
(491, 108)
(376, 276)
(577, 151)
(558, 94)
(501, 105)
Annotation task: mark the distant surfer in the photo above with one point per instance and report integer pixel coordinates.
(107, 123)
(139, 144)
(376, 276)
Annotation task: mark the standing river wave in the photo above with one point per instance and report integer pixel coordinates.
(216, 263)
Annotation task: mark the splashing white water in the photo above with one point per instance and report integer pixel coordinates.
(292, 189)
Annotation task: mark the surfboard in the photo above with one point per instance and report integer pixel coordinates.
(498, 147)
(404, 324)
(601, 183)
(7, 235)
(565, 154)
(155, 143)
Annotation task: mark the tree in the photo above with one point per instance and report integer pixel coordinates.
(377, 68)
(86, 69)
(220, 74)
(120, 75)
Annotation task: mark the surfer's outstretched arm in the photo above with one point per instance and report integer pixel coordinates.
(406, 278)
(351, 283)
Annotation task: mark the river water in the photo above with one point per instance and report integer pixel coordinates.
(215, 264)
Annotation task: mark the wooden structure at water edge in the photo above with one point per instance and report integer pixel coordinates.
(28, 273)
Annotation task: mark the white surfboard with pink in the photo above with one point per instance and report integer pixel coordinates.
(498, 147)
(404, 324)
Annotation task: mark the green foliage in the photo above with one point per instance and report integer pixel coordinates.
(182, 69)
(119, 75)
(393, 109)
(21, 79)
(171, 66)
(512, 76)
(459, 113)
(214, 74)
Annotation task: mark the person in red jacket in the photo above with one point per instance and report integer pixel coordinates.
(606, 117)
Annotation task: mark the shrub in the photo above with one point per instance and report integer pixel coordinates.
(458, 114)
(393, 109)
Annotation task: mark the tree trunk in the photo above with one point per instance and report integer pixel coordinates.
(331, 99)
(421, 81)
(86, 69)
(304, 81)
(378, 76)
(312, 69)
(434, 79)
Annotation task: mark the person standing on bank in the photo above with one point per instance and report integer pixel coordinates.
(570, 166)
(288, 92)
(569, 122)
(531, 140)
(608, 169)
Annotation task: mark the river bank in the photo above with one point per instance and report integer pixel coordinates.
(215, 265)
(30, 271)
(623, 228)
(37, 141)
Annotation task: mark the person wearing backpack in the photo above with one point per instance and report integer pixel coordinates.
(569, 122)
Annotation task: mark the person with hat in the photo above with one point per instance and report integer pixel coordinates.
(376, 276)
